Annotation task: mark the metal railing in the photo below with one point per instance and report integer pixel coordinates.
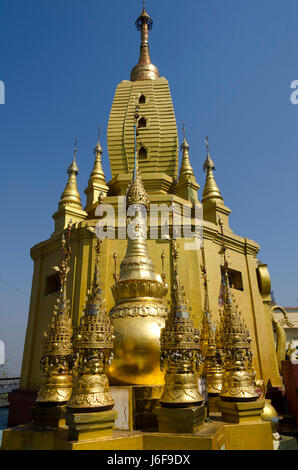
(7, 384)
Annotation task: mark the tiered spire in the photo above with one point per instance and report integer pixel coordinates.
(144, 70)
(56, 359)
(211, 190)
(180, 348)
(238, 381)
(208, 342)
(71, 194)
(93, 344)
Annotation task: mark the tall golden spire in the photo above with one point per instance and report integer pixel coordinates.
(71, 194)
(211, 190)
(144, 70)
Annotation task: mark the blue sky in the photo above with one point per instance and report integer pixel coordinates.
(229, 64)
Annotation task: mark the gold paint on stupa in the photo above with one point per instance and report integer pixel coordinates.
(213, 368)
(238, 383)
(93, 344)
(180, 350)
(56, 361)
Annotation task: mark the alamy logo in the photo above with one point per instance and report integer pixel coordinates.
(294, 94)
(2, 353)
(185, 222)
(2, 92)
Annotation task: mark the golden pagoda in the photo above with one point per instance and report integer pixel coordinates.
(136, 297)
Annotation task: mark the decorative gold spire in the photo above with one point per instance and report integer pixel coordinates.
(97, 181)
(56, 360)
(71, 194)
(213, 369)
(238, 381)
(186, 171)
(93, 344)
(144, 70)
(211, 190)
(180, 349)
(139, 312)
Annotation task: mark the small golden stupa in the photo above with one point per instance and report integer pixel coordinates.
(180, 349)
(56, 360)
(238, 383)
(213, 368)
(93, 345)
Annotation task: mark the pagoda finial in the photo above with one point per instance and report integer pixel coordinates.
(184, 144)
(211, 190)
(71, 194)
(144, 70)
(98, 148)
(186, 172)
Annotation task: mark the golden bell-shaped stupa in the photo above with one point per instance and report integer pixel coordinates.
(93, 344)
(180, 350)
(56, 359)
(139, 312)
